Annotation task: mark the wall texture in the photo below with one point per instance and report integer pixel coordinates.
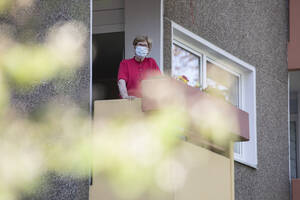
(255, 31)
(39, 18)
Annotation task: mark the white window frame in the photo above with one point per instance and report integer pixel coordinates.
(196, 53)
(247, 81)
(241, 97)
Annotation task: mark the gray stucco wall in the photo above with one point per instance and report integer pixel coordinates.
(255, 31)
(43, 15)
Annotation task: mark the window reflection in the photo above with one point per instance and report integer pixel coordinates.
(225, 82)
(186, 64)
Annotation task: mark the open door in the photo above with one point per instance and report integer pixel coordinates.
(108, 47)
(108, 52)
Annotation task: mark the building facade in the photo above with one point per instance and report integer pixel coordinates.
(255, 33)
(246, 41)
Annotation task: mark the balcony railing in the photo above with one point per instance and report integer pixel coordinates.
(209, 175)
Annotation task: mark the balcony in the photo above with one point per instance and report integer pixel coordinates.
(210, 178)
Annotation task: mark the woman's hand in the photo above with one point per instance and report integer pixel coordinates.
(130, 97)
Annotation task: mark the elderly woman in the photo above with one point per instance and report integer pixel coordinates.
(133, 71)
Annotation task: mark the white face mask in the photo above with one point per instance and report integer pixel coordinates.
(141, 51)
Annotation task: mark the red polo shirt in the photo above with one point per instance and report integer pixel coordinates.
(133, 72)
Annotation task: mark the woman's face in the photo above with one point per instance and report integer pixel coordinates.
(141, 49)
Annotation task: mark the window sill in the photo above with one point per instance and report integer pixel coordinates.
(243, 162)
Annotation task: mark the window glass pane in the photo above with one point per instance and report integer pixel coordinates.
(225, 82)
(293, 149)
(228, 85)
(186, 64)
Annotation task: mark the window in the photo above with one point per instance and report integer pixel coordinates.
(185, 63)
(207, 66)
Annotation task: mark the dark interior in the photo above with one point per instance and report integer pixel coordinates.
(108, 52)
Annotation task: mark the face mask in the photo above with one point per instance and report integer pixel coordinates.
(141, 51)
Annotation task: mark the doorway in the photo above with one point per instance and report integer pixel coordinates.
(108, 52)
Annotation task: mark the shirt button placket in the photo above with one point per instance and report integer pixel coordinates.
(140, 70)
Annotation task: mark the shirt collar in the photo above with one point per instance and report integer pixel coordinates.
(137, 61)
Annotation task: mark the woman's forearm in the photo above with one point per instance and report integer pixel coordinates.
(123, 89)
